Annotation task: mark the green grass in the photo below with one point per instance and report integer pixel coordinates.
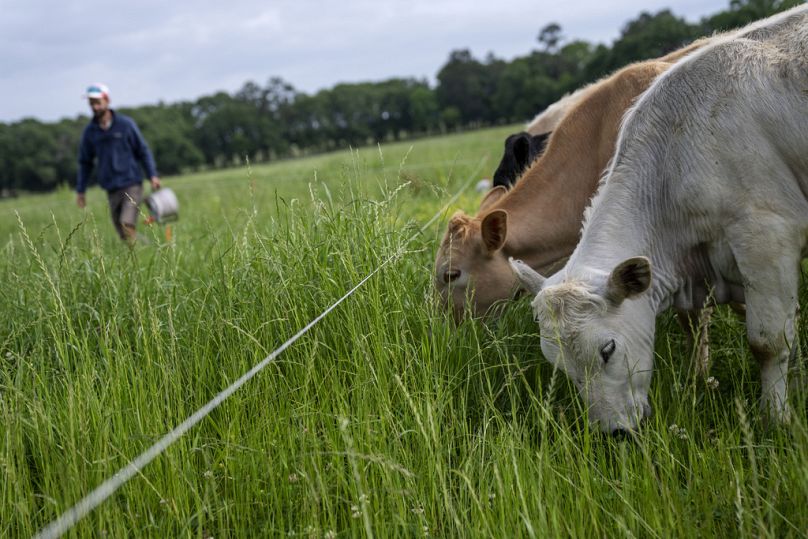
(384, 419)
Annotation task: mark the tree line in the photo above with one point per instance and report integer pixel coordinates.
(274, 120)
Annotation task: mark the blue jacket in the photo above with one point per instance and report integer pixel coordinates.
(120, 151)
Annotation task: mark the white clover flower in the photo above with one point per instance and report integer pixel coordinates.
(679, 432)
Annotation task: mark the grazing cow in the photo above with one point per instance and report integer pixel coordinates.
(539, 220)
(521, 149)
(707, 195)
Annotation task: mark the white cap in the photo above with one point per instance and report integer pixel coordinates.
(97, 90)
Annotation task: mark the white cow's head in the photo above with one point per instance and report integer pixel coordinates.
(600, 331)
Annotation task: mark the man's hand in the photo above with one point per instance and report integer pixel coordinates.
(80, 200)
(155, 183)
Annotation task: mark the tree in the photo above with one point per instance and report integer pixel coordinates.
(35, 160)
(278, 95)
(7, 180)
(550, 36)
(742, 12)
(466, 85)
(424, 108)
(647, 36)
(168, 129)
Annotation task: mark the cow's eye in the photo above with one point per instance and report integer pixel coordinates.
(451, 275)
(607, 350)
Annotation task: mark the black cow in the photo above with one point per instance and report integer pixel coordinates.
(520, 151)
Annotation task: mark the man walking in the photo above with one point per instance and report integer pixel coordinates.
(115, 143)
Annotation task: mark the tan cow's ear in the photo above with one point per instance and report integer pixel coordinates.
(630, 278)
(494, 229)
(493, 195)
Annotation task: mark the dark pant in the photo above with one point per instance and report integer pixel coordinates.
(123, 205)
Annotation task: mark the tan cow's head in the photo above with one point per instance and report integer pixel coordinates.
(471, 268)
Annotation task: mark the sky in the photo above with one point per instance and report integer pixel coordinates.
(149, 51)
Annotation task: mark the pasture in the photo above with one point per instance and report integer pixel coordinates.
(385, 419)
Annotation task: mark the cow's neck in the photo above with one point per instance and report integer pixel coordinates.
(610, 238)
(546, 207)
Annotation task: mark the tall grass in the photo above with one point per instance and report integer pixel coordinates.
(385, 419)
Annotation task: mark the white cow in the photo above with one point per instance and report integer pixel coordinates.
(707, 194)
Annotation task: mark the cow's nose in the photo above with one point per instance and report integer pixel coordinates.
(647, 411)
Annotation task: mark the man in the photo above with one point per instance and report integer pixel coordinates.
(115, 142)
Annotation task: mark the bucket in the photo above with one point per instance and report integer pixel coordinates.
(163, 205)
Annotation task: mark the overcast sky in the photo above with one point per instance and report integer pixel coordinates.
(149, 50)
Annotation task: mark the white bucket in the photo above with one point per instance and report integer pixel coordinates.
(163, 205)
(483, 185)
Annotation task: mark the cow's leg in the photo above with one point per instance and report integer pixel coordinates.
(770, 269)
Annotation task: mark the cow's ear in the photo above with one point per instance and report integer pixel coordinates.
(539, 143)
(630, 278)
(521, 149)
(494, 228)
(493, 196)
(529, 277)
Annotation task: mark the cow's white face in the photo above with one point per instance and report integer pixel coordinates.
(600, 332)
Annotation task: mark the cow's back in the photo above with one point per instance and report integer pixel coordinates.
(755, 120)
(592, 125)
(725, 131)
